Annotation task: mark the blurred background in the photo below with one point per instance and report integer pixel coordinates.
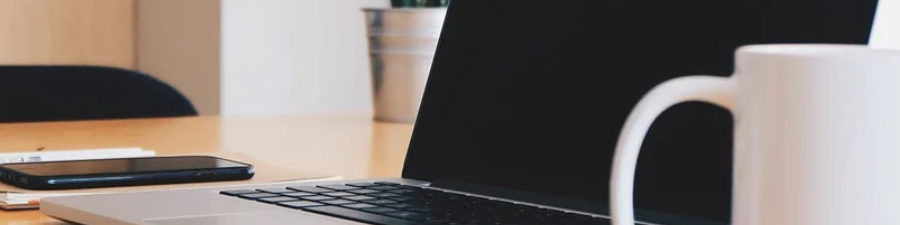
(228, 57)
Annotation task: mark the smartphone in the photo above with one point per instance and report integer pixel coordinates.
(122, 172)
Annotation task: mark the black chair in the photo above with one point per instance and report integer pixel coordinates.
(57, 93)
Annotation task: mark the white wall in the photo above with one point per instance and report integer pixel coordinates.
(886, 30)
(260, 57)
(295, 57)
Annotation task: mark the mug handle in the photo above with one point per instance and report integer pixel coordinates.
(716, 90)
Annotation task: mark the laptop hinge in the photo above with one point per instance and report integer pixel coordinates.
(565, 203)
(522, 196)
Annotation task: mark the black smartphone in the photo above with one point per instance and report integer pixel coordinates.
(122, 172)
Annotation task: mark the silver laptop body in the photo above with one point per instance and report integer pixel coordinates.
(202, 206)
(208, 206)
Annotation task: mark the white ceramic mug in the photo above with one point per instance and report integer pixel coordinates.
(817, 135)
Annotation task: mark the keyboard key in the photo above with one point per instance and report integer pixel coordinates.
(401, 198)
(379, 202)
(408, 216)
(275, 190)
(382, 188)
(360, 198)
(380, 210)
(317, 198)
(257, 196)
(298, 194)
(359, 206)
(419, 209)
(309, 189)
(338, 202)
(387, 183)
(390, 203)
(415, 202)
(383, 195)
(400, 191)
(299, 204)
(239, 192)
(339, 187)
(274, 200)
(399, 205)
(363, 191)
(339, 194)
(357, 215)
(362, 184)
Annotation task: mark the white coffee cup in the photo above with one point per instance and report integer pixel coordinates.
(817, 135)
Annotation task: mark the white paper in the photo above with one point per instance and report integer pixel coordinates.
(44, 156)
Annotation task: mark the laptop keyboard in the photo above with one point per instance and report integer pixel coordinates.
(387, 203)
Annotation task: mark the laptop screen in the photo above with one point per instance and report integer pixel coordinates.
(531, 95)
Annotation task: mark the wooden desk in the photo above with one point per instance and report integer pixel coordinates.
(354, 147)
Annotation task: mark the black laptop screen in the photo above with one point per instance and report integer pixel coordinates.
(531, 95)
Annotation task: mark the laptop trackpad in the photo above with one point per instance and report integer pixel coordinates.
(267, 218)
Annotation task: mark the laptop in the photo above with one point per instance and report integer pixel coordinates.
(521, 115)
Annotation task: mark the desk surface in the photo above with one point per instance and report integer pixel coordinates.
(353, 147)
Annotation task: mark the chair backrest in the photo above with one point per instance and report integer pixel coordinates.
(55, 93)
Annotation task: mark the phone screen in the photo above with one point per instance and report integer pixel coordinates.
(134, 165)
